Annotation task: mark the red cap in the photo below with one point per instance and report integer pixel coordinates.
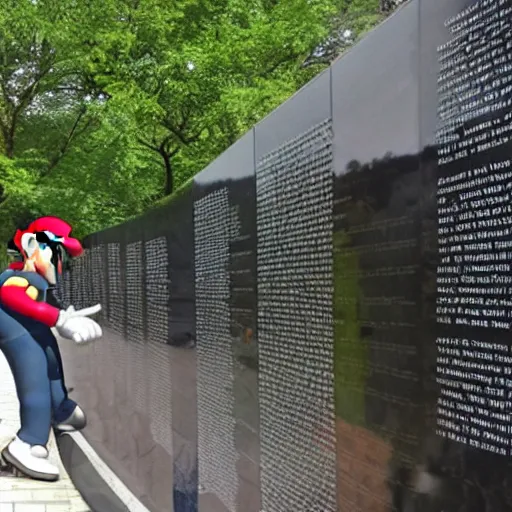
(59, 228)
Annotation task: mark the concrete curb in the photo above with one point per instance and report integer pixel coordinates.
(97, 483)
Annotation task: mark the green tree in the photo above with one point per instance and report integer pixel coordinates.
(43, 99)
(107, 106)
(197, 77)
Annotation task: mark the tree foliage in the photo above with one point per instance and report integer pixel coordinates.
(107, 106)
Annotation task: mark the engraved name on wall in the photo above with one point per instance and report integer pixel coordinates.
(294, 200)
(474, 275)
(217, 457)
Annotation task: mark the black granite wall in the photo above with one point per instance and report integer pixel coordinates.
(321, 321)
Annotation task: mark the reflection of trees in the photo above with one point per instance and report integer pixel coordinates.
(385, 258)
(397, 394)
(380, 312)
(350, 353)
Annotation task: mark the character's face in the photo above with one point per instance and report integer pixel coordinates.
(46, 253)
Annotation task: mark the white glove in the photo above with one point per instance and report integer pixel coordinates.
(74, 325)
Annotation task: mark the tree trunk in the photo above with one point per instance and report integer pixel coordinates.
(8, 136)
(9, 147)
(169, 182)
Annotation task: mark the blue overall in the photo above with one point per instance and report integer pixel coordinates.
(35, 361)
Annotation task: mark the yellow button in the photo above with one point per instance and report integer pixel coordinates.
(32, 292)
(16, 281)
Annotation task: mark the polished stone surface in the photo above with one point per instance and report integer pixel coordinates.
(321, 321)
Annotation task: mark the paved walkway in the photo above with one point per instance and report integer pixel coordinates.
(23, 494)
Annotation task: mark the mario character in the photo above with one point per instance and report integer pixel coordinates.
(26, 339)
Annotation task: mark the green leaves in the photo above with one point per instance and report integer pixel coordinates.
(15, 179)
(107, 106)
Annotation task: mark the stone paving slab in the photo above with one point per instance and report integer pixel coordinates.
(23, 494)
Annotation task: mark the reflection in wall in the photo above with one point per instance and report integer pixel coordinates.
(377, 346)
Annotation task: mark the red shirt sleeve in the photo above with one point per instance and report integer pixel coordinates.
(15, 298)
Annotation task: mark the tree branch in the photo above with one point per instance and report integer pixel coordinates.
(279, 62)
(5, 93)
(164, 143)
(73, 133)
(147, 145)
(179, 133)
